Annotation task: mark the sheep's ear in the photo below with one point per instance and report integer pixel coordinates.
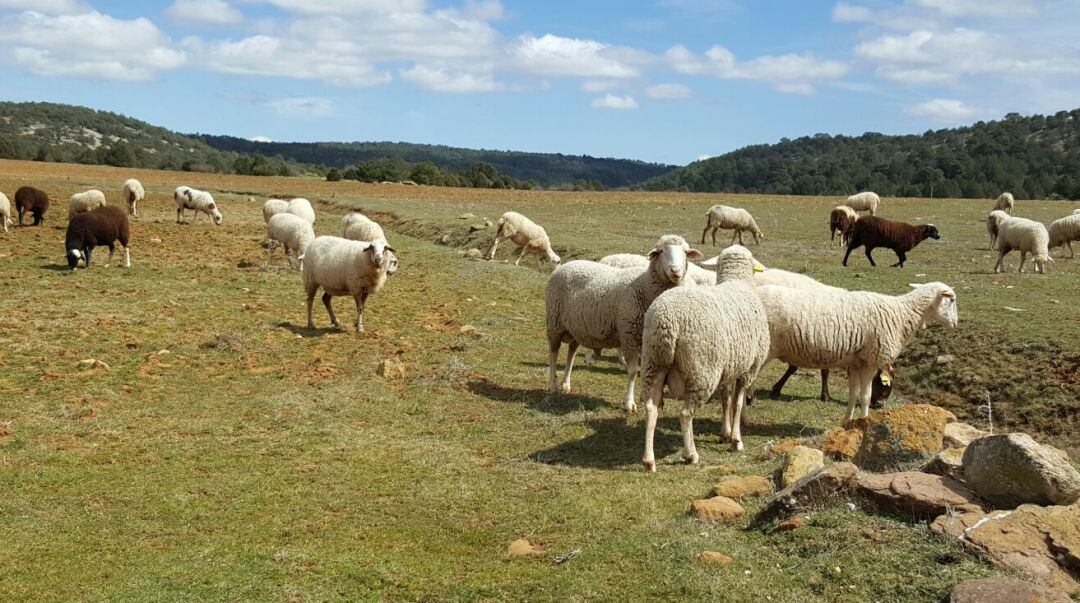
(714, 260)
(694, 254)
(391, 249)
(655, 252)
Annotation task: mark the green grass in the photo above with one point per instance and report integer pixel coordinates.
(259, 460)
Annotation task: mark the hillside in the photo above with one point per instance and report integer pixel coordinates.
(1035, 157)
(547, 169)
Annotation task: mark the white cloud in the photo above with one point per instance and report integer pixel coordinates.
(788, 73)
(60, 46)
(703, 157)
(558, 56)
(982, 8)
(485, 10)
(441, 79)
(942, 110)
(50, 7)
(204, 12)
(348, 7)
(305, 107)
(610, 101)
(851, 13)
(668, 91)
(599, 85)
(261, 139)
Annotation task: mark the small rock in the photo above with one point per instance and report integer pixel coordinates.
(1013, 469)
(392, 369)
(474, 253)
(714, 558)
(467, 216)
(791, 524)
(467, 330)
(945, 359)
(813, 491)
(798, 462)
(717, 508)
(522, 548)
(488, 224)
(915, 494)
(948, 462)
(842, 444)
(959, 435)
(445, 239)
(1005, 590)
(743, 487)
(155, 240)
(476, 227)
(93, 364)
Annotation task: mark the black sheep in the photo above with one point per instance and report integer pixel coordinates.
(873, 232)
(33, 200)
(101, 226)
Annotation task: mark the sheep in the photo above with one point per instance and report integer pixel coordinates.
(901, 237)
(85, 201)
(697, 274)
(699, 340)
(343, 267)
(880, 387)
(1026, 236)
(598, 306)
(302, 207)
(197, 201)
(865, 201)
(730, 218)
(860, 331)
(33, 200)
(841, 218)
(273, 207)
(1063, 232)
(351, 217)
(526, 234)
(1005, 203)
(5, 211)
(993, 222)
(293, 232)
(362, 228)
(1075, 211)
(133, 192)
(100, 226)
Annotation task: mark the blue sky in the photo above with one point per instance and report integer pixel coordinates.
(659, 80)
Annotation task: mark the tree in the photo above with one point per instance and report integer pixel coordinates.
(333, 175)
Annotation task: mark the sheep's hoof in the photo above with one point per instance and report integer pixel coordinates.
(691, 460)
(737, 446)
(566, 388)
(650, 465)
(630, 408)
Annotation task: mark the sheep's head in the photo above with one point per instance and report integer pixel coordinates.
(552, 256)
(942, 309)
(930, 232)
(736, 263)
(73, 257)
(669, 257)
(1041, 259)
(215, 213)
(881, 386)
(391, 261)
(382, 255)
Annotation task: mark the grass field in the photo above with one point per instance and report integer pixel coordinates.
(227, 452)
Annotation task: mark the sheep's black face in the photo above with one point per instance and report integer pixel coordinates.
(73, 257)
(932, 232)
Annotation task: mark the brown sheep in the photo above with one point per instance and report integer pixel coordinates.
(841, 220)
(104, 225)
(873, 232)
(33, 200)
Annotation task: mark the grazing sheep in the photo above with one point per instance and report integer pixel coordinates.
(85, 201)
(272, 207)
(197, 201)
(1063, 232)
(103, 225)
(730, 218)
(302, 207)
(993, 222)
(901, 237)
(1005, 203)
(1076, 211)
(133, 192)
(526, 234)
(860, 331)
(339, 266)
(362, 228)
(33, 200)
(1025, 236)
(293, 232)
(698, 275)
(351, 217)
(841, 219)
(599, 307)
(5, 211)
(700, 340)
(864, 201)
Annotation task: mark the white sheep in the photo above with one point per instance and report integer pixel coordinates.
(5, 212)
(1005, 203)
(1025, 236)
(272, 207)
(362, 228)
(1063, 232)
(302, 207)
(351, 217)
(1076, 211)
(993, 222)
(339, 266)
(133, 192)
(85, 201)
(865, 201)
(597, 306)
(291, 231)
(197, 201)
(730, 218)
(699, 340)
(698, 275)
(526, 234)
(859, 331)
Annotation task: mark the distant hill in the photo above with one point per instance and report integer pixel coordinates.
(547, 169)
(1034, 157)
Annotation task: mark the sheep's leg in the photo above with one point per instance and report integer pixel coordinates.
(853, 396)
(632, 366)
(902, 257)
(553, 363)
(494, 245)
(361, 301)
(705, 232)
(870, 257)
(127, 257)
(179, 214)
(1023, 258)
(310, 298)
(1069, 243)
(1000, 265)
(737, 419)
(87, 252)
(825, 397)
(622, 357)
(850, 248)
(330, 309)
(571, 352)
(733, 235)
(714, 229)
(865, 381)
(654, 394)
(686, 422)
(729, 415)
(524, 250)
(779, 385)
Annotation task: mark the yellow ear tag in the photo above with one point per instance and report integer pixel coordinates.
(758, 267)
(885, 379)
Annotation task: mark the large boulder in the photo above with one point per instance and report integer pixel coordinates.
(1012, 469)
(842, 444)
(813, 491)
(898, 437)
(1005, 590)
(959, 435)
(798, 462)
(916, 494)
(1040, 543)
